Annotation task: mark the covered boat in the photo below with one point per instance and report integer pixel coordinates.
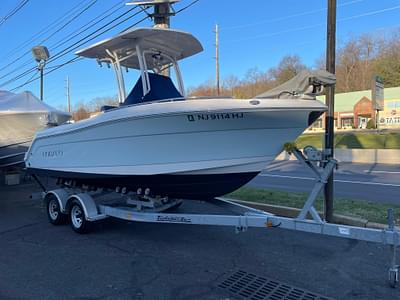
(21, 116)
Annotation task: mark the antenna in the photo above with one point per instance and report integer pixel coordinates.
(67, 89)
(217, 59)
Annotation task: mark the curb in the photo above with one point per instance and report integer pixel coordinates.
(291, 212)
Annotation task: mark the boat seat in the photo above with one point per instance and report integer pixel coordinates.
(161, 87)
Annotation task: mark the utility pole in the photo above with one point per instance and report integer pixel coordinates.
(330, 101)
(68, 93)
(161, 15)
(217, 59)
(163, 10)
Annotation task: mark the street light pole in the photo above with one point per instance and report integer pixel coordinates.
(41, 55)
(330, 101)
(41, 67)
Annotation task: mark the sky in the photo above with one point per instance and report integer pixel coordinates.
(253, 34)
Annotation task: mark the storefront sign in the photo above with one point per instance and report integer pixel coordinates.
(377, 92)
(390, 116)
(390, 120)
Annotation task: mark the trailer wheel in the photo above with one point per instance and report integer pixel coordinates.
(77, 217)
(54, 214)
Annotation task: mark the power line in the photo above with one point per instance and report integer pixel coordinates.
(76, 44)
(55, 32)
(88, 25)
(310, 12)
(70, 21)
(77, 58)
(84, 40)
(318, 25)
(13, 11)
(69, 37)
(30, 79)
(371, 13)
(40, 33)
(187, 6)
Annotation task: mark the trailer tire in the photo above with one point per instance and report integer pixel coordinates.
(77, 218)
(54, 214)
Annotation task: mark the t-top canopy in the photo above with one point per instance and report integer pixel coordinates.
(173, 43)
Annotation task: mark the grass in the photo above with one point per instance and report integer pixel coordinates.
(373, 212)
(392, 141)
(352, 140)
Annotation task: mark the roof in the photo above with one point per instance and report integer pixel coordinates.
(346, 101)
(174, 43)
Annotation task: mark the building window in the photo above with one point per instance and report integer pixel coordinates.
(347, 122)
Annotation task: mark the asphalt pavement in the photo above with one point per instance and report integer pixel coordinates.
(122, 260)
(370, 182)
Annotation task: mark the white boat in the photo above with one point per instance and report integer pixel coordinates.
(162, 141)
(21, 115)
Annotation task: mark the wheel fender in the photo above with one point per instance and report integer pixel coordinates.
(61, 196)
(88, 205)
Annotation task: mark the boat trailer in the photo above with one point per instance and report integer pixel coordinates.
(83, 207)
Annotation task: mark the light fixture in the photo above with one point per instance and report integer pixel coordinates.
(41, 55)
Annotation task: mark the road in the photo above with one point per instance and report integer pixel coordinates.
(121, 260)
(371, 182)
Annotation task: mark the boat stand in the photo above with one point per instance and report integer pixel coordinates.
(84, 207)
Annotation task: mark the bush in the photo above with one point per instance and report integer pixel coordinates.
(371, 124)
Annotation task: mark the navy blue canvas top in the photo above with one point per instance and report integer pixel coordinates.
(161, 87)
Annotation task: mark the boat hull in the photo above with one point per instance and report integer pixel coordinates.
(188, 150)
(195, 187)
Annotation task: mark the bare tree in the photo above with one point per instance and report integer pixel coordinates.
(358, 59)
(80, 112)
(288, 67)
(230, 83)
(97, 103)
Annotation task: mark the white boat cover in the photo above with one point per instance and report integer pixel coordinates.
(307, 85)
(26, 102)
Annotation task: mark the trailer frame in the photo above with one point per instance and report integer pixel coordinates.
(85, 206)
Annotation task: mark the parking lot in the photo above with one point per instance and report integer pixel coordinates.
(121, 260)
